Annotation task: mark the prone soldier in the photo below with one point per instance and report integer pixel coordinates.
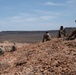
(73, 34)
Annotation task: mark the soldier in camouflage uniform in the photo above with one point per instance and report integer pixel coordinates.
(46, 37)
(73, 34)
(13, 48)
(61, 32)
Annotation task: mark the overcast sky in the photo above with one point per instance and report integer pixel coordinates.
(36, 14)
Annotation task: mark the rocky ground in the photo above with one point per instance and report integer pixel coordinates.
(55, 57)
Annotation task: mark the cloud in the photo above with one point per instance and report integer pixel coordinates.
(49, 13)
(52, 4)
(71, 1)
(25, 14)
(19, 19)
(47, 17)
(71, 4)
(31, 19)
(42, 12)
(27, 18)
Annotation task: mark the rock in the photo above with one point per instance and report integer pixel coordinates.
(2, 50)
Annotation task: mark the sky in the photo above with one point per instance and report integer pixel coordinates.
(34, 15)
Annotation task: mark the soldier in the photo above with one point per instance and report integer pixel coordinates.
(13, 48)
(61, 32)
(46, 37)
(72, 34)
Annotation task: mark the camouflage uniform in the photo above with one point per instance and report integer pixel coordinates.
(61, 32)
(72, 34)
(14, 48)
(46, 37)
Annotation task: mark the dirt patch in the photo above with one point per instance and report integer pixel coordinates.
(55, 57)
